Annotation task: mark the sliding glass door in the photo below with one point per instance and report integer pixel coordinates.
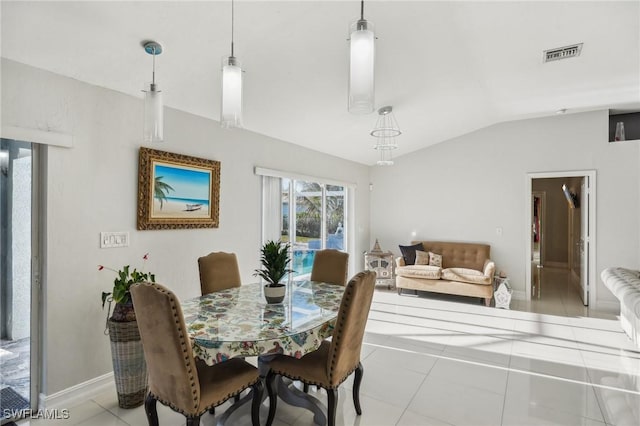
(18, 232)
(312, 218)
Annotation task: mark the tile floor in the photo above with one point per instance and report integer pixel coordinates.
(553, 293)
(14, 365)
(434, 361)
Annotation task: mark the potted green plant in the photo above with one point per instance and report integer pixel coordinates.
(120, 295)
(129, 366)
(275, 259)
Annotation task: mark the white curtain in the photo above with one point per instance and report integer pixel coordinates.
(271, 208)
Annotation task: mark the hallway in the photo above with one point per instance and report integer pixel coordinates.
(553, 293)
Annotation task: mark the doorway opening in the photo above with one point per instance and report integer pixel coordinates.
(18, 279)
(560, 262)
(538, 222)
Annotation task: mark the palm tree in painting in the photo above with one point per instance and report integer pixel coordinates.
(161, 190)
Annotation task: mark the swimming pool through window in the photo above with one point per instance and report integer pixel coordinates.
(310, 215)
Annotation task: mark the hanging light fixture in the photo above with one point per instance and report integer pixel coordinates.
(153, 105)
(361, 65)
(386, 157)
(231, 108)
(385, 132)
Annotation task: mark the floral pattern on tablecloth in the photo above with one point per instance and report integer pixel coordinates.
(239, 322)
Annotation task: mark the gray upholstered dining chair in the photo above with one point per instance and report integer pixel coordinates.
(176, 379)
(218, 271)
(330, 266)
(331, 364)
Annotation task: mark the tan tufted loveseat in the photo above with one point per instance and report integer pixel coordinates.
(467, 270)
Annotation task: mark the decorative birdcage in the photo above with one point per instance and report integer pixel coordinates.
(382, 263)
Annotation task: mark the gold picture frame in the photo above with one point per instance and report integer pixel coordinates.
(177, 191)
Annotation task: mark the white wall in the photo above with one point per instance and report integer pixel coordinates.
(464, 189)
(92, 187)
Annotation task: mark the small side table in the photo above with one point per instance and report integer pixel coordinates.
(503, 291)
(382, 264)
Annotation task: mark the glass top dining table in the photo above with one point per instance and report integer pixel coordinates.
(238, 322)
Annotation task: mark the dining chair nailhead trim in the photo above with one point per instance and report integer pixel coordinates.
(185, 350)
(189, 367)
(338, 334)
(208, 407)
(313, 382)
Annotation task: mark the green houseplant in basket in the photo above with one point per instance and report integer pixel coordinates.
(129, 366)
(120, 295)
(275, 259)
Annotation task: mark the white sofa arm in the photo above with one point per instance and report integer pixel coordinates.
(489, 268)
(400, 261)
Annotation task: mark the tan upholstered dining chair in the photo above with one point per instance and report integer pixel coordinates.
(331, 364)
(176, 379)
(330, 266)
(218, 271)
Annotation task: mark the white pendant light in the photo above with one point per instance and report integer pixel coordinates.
(361, 65)
(385, 132)
(231, 108)
(153, 105)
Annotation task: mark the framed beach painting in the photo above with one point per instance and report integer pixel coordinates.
(177, 191)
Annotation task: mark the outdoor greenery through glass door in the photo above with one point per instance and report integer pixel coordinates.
(313, 218)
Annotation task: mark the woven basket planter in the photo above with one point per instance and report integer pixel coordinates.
(129, 366)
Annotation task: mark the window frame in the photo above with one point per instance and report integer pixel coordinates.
(348, 208)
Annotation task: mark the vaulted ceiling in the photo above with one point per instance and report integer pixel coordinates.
(447, 67)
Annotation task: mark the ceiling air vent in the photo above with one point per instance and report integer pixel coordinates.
(562, 52)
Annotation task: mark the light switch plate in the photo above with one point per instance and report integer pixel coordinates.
(114, 239)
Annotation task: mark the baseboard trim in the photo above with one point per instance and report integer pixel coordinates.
(77, 393)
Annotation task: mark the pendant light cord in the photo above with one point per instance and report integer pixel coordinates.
(232, 20)
(153, 72)
(362, 9)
